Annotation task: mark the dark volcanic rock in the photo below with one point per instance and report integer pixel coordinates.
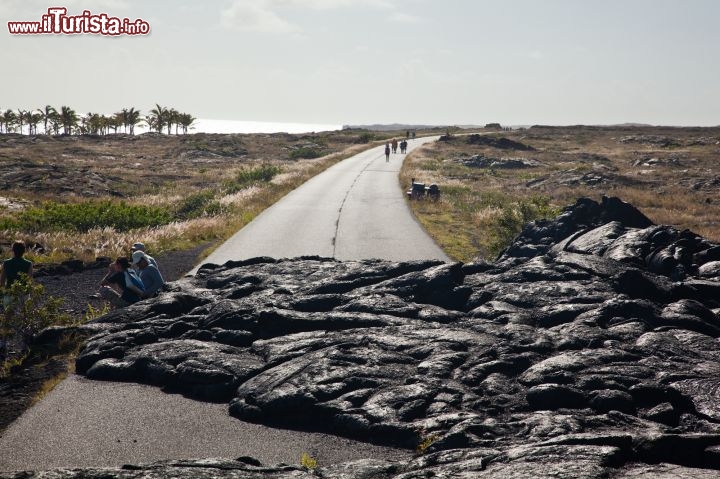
(482, 161)
(588, 349)
(501, 143)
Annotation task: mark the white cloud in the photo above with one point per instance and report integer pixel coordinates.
(267, 15)
(402, 17)
(255, 17)
(329, 4)
(33, 10)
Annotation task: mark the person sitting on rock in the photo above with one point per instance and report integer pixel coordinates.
(130, 288)
(150, 275)
(141, 247)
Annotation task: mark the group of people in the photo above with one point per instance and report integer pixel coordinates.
(393, 145)
(127, 282)
(130, 280)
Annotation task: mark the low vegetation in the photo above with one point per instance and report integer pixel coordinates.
(82, 197)
(491, 184)
(26, 312)
(83, 216)
(308, 462)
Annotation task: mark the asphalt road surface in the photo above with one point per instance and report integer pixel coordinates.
(84, 423)
(354, 210)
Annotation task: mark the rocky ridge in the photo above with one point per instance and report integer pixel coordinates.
(587, 349)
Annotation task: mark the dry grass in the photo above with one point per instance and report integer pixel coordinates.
(49, 384)
(157, 171)
(670, 174)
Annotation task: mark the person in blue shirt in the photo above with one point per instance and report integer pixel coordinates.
(122, 286)
(150, 275)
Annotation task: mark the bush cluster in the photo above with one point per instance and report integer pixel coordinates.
(26, 311)
(198, 204)
(305, 153)
(250, 176)
(53, 216)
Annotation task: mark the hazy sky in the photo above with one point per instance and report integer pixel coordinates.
(380, 61)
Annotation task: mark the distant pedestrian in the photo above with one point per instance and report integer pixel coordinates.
(13, 267)
(149, 274)
(141, 247)
(403, 147)
(122, 286)
(394, 145)
(387, 152)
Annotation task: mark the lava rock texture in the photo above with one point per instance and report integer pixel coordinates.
(589, 348)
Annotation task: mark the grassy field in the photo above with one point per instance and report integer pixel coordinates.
(495, 182)
(93, 196)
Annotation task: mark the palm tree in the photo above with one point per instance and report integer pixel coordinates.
(55, 122)
(21, 117)
(113, 122)
(9, 118)
(133, 118)
(33, 118)
(122, 117)
(186, 120)
(173, 118)
(157, 118)
(69, 119)
(47, 114)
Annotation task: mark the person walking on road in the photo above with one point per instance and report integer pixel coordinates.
(394, 145)
(387, 152)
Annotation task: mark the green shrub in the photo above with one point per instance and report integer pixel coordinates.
(305, 153)
(93, 313)
(53, 216)
(308, 462)
(250, 176)
(199, 204)
(512, 218)
(365, 137)
(26, 312)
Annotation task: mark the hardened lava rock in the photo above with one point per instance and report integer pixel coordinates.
(588, 349)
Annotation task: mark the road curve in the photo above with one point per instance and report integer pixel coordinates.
(353, 210)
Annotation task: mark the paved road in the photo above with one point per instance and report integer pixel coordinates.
(85, 423)
(354, 210)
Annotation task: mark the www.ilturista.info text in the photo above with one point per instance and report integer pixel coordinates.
(58, 22)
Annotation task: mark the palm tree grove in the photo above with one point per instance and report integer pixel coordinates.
(67, 121)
